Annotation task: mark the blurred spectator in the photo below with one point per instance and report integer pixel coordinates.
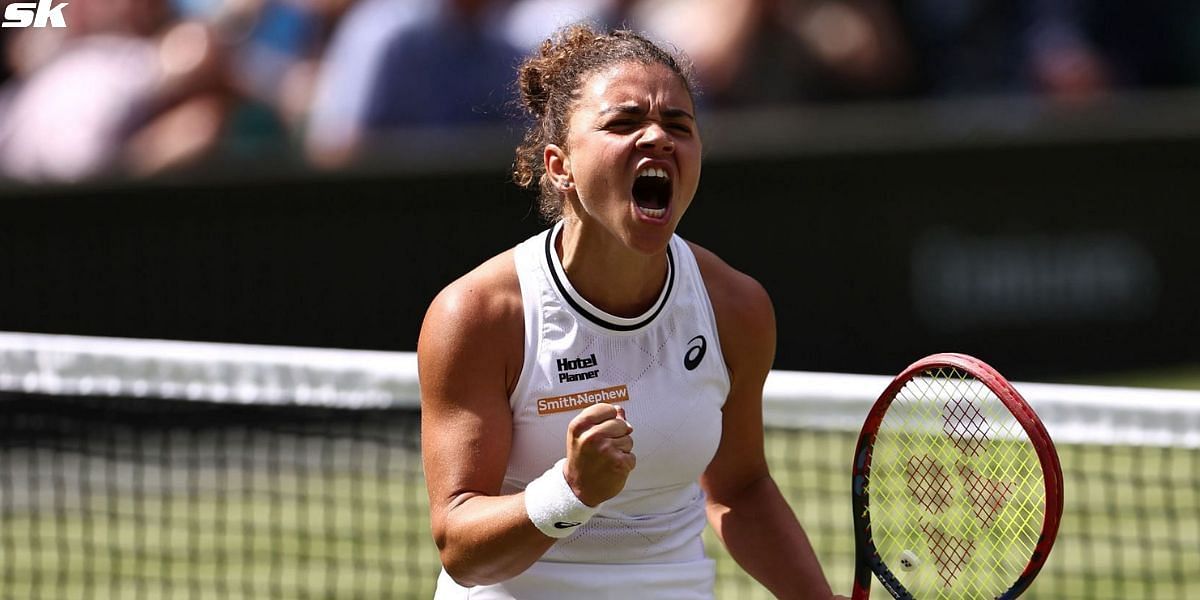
(750, 52)
(275, 48)
(452, 69)
(336, 122)
(1007, 46)
(716, 35)
(277, 59)
(119, 88)
(143, 86)
(429, 62)
(449, 66)
(856, 49)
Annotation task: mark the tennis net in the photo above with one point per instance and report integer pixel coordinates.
(156, 469)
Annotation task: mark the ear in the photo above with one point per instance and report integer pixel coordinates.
(558, 166)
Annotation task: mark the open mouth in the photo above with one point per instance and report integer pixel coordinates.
(652, 192)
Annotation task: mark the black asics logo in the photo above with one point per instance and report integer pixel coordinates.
(695, 352)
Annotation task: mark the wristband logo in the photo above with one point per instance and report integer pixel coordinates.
(566, 524)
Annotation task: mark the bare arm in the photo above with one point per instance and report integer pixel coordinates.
(469, 342)
(745, 506)
(469, 356)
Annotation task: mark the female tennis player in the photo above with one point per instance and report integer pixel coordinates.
(591, 395)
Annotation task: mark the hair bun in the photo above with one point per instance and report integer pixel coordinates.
(533, 83)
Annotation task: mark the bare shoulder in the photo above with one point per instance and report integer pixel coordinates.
(478, 318)
(744, 312)
(487, 292)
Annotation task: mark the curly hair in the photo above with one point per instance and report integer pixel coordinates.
(549, 83)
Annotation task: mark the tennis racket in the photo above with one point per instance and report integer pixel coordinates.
(957, 486)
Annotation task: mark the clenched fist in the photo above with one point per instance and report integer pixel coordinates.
(599, 453)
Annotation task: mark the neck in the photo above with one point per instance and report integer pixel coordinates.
(608, 273)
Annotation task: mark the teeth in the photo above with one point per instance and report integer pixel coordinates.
(652, 172)
(654, 213)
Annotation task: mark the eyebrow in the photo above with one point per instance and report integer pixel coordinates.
(634, 109)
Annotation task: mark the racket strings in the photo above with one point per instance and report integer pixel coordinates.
(955, 481)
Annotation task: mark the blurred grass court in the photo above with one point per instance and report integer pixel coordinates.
(142, 469)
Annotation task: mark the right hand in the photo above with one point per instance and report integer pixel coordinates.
(599, 453)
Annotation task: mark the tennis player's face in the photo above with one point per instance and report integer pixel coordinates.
(633, 153)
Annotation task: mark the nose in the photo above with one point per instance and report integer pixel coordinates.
(655, 138)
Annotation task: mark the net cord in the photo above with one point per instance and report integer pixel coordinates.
(246, 373)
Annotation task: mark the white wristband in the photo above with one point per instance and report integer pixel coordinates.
(553, 507)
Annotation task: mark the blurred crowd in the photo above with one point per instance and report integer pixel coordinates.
(146, 86)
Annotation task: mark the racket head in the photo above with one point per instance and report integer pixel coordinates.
(957, 488)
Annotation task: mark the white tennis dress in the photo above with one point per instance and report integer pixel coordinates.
(666, 369)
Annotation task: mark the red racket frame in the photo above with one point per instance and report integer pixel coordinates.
(867, 559)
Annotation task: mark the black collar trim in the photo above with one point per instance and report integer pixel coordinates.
(592, 313)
